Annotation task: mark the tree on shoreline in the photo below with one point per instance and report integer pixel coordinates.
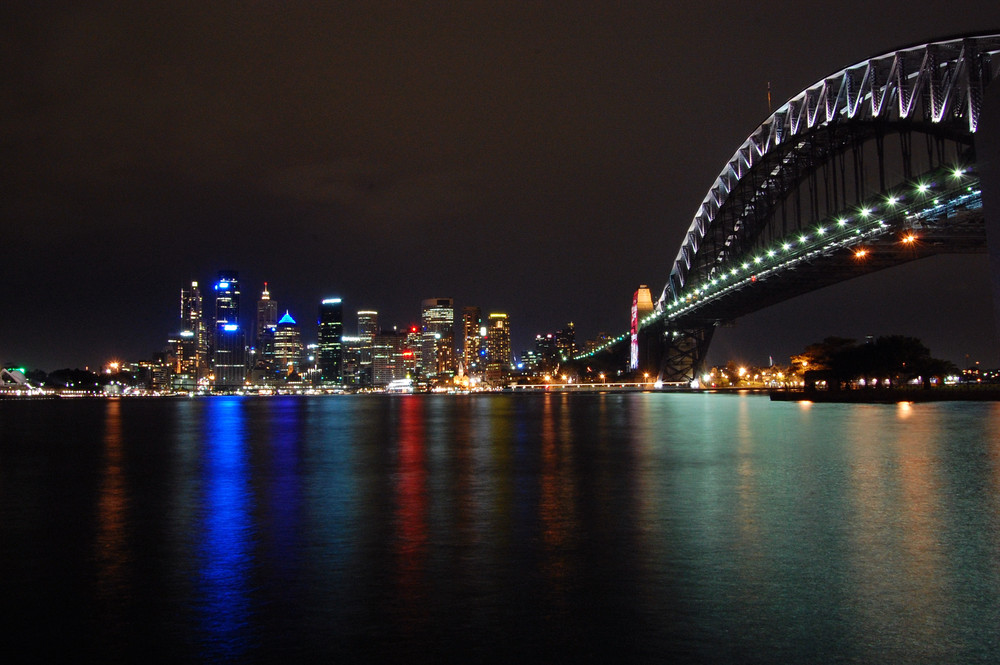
(886, 361)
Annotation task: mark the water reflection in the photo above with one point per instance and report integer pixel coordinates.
(411, 499)
(556, 505)
(601, 528)
(226, 532)
(112, 555)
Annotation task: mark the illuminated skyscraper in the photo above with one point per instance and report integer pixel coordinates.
(438, 337)
(228, 356)
(192, 352)
(287, 345)
(391, 358)
(350, 360)
(565, 340)
(267, 322)
(498, 356)
(331, 332)
(367, 329)
(472, 340)
(367, 323)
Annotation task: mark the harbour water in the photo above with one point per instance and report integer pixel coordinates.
(527, 528)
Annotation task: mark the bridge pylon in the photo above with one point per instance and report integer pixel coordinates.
(674, 353)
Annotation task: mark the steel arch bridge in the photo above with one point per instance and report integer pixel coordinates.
(870, 167)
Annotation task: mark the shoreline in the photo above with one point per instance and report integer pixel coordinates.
(890, 395)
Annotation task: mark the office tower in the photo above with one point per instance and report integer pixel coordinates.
(438, 337)
(472, 339)
(310, 367)
(600, 340)
(546, 352)
(642, 306)
(267, 321)
(228, 356)
(565, 342)
(367, 323)
(497, 349)
(192, 350)
(367, 329)
(350, 360)
(287, 345)
(414, 343)
(331, 332)
(389, 357)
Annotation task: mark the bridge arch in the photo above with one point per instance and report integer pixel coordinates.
(865, 159)
(934, 90)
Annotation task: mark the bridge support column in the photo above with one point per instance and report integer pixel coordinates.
(683, 352)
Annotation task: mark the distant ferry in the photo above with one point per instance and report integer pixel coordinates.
(404, 386)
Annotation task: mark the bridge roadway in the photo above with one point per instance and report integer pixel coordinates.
(940, 213)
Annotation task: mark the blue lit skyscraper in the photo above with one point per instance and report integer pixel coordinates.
(331, 333)
(228, 362)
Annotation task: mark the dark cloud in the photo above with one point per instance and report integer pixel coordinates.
(540, 159)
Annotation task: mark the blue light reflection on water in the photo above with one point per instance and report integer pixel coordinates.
(227, 532)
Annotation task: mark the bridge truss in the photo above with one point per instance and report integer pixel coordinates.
(870, 167)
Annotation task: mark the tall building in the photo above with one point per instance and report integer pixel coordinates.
(546, 352)
(192, 350)
(287, 345)
(498, 358)
(565, 340)
(350, 360)
(389, 359)
(229, 340)
(472, 339)
(438, 337)
(414, 344)
(267, 322)
(331, 333)
(367, 323)
(367, 329)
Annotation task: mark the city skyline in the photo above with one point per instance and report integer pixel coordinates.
(277, 353)
(508, 156)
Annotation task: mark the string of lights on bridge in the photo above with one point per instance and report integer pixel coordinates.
(837, 232)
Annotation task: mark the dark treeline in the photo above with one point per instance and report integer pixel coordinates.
(887, 361)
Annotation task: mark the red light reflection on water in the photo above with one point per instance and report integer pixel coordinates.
(411, 495)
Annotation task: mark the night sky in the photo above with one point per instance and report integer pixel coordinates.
(542, 159)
